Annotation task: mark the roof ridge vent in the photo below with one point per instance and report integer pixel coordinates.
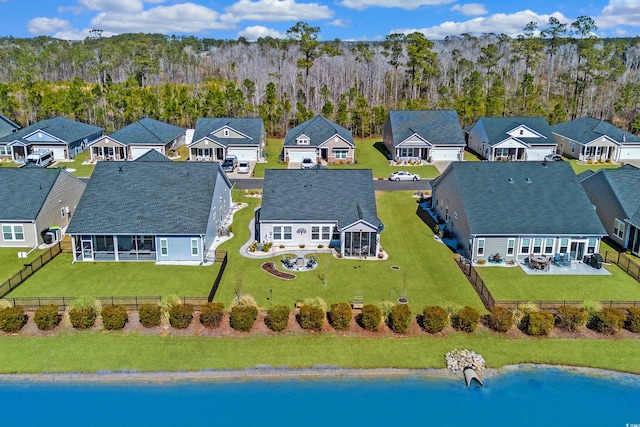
(528, 180)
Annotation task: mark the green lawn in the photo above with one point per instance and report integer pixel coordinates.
(272, 150)
(427, 272)
(62, 278)
(80, 169)
(93, 351)
(509, 284)
(10, 264)
(580, 167)
(10, 165)
(470, 156)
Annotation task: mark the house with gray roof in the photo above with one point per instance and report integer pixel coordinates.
(590, 139)
(150, 211)
(136, 139)
(616, 196)
(35, 201)
(7, 126)
(319, 139)
(301, 208)
(66, 138)
(214, 139)
(516, 210)
(427, 135)
(511, 138)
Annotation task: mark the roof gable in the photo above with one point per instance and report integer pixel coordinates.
(587, 129)
(153, 156)
(530, 130)
(7, 126)
(61, 128)
(319, 130)
(147, 132)
(625, 184)
(438, 127)
(24, 191)
(242, 131)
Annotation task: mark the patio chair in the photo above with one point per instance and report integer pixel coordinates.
(311, 262)
(566, 259)
(557, 259)
(288, 263)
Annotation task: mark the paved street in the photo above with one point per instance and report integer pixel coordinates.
(379, 184)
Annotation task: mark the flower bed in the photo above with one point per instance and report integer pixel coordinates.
(270, 268)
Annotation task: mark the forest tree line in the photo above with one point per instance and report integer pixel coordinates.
(560, 71)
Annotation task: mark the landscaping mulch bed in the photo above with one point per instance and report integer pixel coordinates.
(270, 267)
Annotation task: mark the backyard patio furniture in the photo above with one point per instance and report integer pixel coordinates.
(300, 262)
(557, 260)
(541, 262)
(288, 263)
(311, 262)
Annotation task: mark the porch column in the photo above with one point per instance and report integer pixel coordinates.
(73, 248)
(115, 248)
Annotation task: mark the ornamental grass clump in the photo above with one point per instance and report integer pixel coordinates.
(12, 319)
(607, 321)
(537, 324)
(277, 318)
(633, 319)
(340, 316)
(399, 319)
(114, 317)
(571, 318)
(434, 319)
(181, 315)
(83, 312)
(211, 314)
(47, 317)
(370, 317)
(466, 319)
(150, 315)
(166, 304)
(500, 319)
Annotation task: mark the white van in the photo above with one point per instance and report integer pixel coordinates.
(41, 158)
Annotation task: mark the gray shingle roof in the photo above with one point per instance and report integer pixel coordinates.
(147, 198)
(7, 126)
(439, 127)
(625, 184)
(342, 195)
(497, 128)
(24, 191)
(553, 203)
(153, 156)
(252, 127)
(60, 127)
(586, 129)
(319, 130)
(147, 131)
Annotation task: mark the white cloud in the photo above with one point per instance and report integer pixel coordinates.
(510, 24)
(42, 26)
(619, 12)
(402, 4)
(340, 23)
(470, 9)
(275, 10)
(256, 31)
(113, 5)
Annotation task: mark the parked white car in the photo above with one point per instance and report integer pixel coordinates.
(307, 163)
(404, 176)
(553, 158)
(243, 167)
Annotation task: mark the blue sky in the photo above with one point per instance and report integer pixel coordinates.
(343, 19)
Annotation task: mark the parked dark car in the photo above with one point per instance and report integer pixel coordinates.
(229, 164)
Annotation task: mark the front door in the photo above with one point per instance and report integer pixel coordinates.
(87, 250)
(577, 250)
(324, 153)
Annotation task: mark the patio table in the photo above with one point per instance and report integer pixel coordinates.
(543, 261)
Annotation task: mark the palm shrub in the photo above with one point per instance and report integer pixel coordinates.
(150, 315)
(400, 318)
(211, 314)
(500, 319)
(83, 312)
(277, 317)
(46, 317)
(340, 316)
(370, 317)
(571, 318)
(181, 315)
(434, 319)
(12, 319)
(633, 319)
(607, 321)
(311, 317)
(466, 319)
(114, 317)
(537, 323)
(242, 317)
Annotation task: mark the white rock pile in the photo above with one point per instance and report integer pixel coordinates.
(457, 360)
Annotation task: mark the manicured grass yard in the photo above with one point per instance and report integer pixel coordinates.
(10, 264)
(580, 167)
(80, 169)
(511, 284)
(427, 272)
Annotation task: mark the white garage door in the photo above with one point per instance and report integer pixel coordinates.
(629, 153)
(250, 154)
(298, 155)
(538, 154)
(449, 154)
(138, 151)
(58, 153)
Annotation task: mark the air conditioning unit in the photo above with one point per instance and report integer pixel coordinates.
(50, 237)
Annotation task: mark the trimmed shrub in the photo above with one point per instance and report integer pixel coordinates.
(114, 317)
(400, 318)
(150, 315)
(277, 317)
(500, 319)
(466, 319)
(181, 315)
(12, 319)
(633, 319)
(243, 317)
(340, 316)
(82, 318)
(607, 321)
(571, 318)
(47, 317)
(311, 318)
(370, 317)
(211, 314)
(434, 319)
(537, 323)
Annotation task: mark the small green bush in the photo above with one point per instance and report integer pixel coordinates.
(82, 318)
(370, 317)
(277, 317)
(340, 316)
(311, 317)
(607, 321)
(150, 315)
(571, 318)
(114, 317)
(211, 314)
(500, 319)
(466, 319)
(46, 317)
(434, 319)
(12, 319)
(242, 317)
(181, 315)
(400, 318)
(537, 323)
(633, 319)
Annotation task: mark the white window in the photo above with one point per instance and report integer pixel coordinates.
(62, 212)
(340, 154)
(226, 132)
(511, 244)
(195, 247)
(591, 246)
(315, 232)
(5, 150)
(12, 232)
(480, 250)
(302, 141)
(326, 233)
(537, 246)
(525, 246)
(564, 246)
(164, 247)
(277, 232)
(409, 152)
(287, 231)
(548, 246)
(618, 228)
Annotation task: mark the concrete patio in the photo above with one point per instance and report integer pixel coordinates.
(576, 269)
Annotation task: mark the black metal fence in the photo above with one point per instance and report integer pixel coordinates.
(27, 271)
(216, 283)
(476, 281)
(130, 302)
(552, 305)
(625, 262)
